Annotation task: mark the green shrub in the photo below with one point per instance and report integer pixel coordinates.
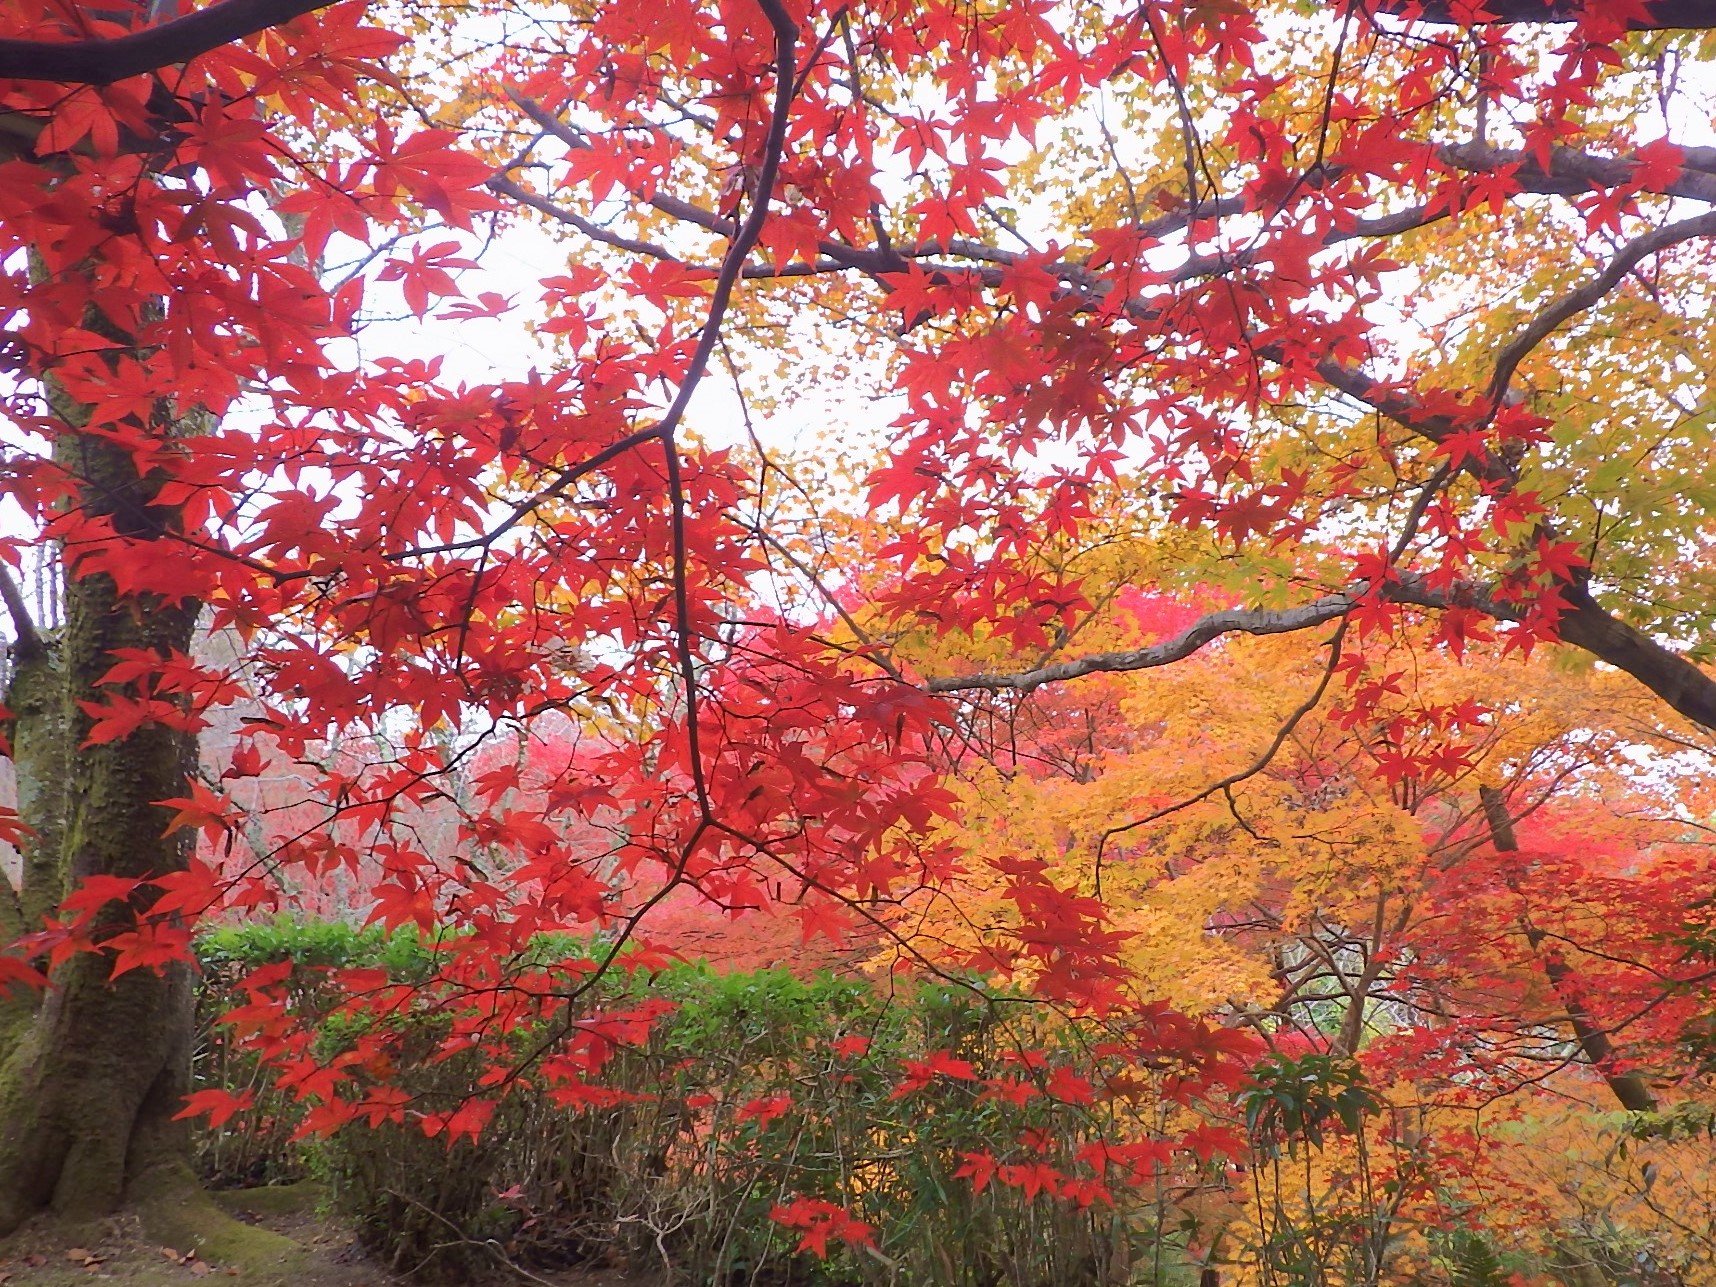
(257, 1146)
(741, 1100)
(424, 1207)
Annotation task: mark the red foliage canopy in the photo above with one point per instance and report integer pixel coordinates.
(407, 579)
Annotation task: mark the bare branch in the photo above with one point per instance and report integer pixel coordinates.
(1579, 299)
(101, 62)
(1249, 621)
(667, 203)
(507, 188)
(1225, 785)
(27, 645)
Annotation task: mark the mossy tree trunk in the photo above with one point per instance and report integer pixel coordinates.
(92, 1072)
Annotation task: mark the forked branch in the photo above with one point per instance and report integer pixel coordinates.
(1687, 689)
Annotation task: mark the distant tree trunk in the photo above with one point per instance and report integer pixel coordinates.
(1628, 1088)
(92, 1073)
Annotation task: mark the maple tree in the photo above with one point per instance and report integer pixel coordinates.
(1375, 319)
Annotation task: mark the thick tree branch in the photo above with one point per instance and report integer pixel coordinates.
(1653, 15)
(1586, 625)
(101, 62)
(1408, 412)
(1574, 173)
(1670, 676)
(1248, 621)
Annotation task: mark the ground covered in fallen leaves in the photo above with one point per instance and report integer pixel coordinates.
(120, 1250)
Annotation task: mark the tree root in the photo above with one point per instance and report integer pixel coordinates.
(178, 1212)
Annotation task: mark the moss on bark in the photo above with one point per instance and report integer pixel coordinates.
(41, 752)
(89, 1085)
(177, 1212)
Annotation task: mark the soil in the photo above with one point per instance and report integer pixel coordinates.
(117, 1250)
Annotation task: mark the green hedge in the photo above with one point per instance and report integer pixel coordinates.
(683, 1175)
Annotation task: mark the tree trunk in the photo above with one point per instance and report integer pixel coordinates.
(1630, 1089)
(92, 1075)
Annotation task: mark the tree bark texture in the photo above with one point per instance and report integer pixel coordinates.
(91, 1077)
